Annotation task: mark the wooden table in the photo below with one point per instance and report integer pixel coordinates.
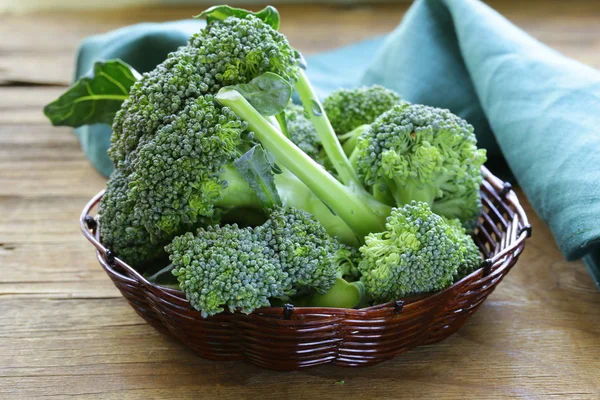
(65, 331)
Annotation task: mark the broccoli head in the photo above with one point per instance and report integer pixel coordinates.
(227, 52)
(348, 109)
(417, 152)
(120, 229)
(303, 247)
(175, 181)
(471, 257)
(302, 132)
(418, 253)
(226, 266)
(242, 268)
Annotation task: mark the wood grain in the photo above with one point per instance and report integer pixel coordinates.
(65, 331)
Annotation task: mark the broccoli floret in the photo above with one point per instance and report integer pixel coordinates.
(227, 52)
(348, 257)
(175, 181)
(236, 50)
(226, 266)
(178, 171)
(348, 291)
(471, 257)
(119, 227)
(243, 267)
(416, 152)
(418, 253)
(153, 102)
(302, 132)
(303, 247)
(348, 109)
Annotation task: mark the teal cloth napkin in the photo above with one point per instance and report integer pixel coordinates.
(534, 110)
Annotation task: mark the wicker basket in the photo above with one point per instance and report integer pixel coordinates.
(288, 338)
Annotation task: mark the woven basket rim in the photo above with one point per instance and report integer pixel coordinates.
(90, 228)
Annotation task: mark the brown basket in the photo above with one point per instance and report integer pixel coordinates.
(288, 338)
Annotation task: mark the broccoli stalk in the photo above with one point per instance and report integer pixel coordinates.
(331, 145)
(343, 294)
(237, 192)
(350, 139)
(294, 193)
(358, 209)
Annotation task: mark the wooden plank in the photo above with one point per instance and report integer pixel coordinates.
(50, 39)
(310, 28)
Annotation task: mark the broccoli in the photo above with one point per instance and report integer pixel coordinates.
(184, 178)
(303, 247)
(362, 212)
(175, 182)
(242, 268)
(226, 265)
(351, 111)
(227, 52)
(173, 145)
(471, 258)
(419, 252)
(208, 143)
(302, 132)
(412, 234)
(417, 152)
(348, 109)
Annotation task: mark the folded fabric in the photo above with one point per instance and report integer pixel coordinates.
(533, 109)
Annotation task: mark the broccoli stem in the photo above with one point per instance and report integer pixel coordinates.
(360, 211)
(238, 193)
(350, 139)
(342, 294)
(153, 278)
(293, 192)
(412, 191)
(329, 141)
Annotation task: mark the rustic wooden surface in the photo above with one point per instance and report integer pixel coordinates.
(66, 332)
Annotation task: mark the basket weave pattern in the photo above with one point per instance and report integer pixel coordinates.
(288, 338)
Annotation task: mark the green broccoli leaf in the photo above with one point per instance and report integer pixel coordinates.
(268, 93)
(95, 98)
(269, 15)
(256, 169)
